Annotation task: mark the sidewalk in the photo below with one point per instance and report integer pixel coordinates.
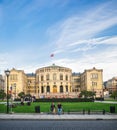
(35, 116)
(111, 102)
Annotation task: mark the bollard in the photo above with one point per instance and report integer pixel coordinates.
(37, 109)
(103, 112)
(112, 109)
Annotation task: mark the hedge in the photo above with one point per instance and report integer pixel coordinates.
(65, 100)
(62, 100)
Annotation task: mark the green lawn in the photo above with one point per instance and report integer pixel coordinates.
(68, 106)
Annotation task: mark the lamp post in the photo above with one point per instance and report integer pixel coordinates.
(7, 72)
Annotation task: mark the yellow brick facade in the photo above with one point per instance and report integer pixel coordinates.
(76, 87)
(31, 84)
(112, 85)
(92, 80)
(17, 82)
(55, 81)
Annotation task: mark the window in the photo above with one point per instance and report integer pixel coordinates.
(66, 88)
(61, 77)
(66, 77)
(76, 80)
(61, 89)
(48, 89)
(94, 83)
(42, 89)
(94, 76)
(42, 78)
(54, 76)
(13, 77)
(47, 77)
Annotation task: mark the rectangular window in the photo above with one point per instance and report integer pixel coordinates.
(42, 78)
(94, 83)
(66, 88)
(66, 77)
(94, 76)
(13, 77)
(61, 77)
(47, 77)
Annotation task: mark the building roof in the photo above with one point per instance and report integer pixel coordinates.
(54, 66)
(30, 74)
(75, 74)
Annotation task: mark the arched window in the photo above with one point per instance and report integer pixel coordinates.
(48, 89)
(61, 76)
(54, 76)
(61, 89)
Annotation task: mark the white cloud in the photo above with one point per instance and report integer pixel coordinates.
(79, 28)
(80, 34)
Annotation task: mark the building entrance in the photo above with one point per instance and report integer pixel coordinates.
(54, 89)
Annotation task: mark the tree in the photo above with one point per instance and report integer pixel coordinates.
(114, 94)
(84, 93)
(28, 95)
(21, 94)
(91, 94)
(2, 94)
(87, 94)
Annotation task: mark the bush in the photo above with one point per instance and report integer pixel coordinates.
(99, 98)
(65, 100)
(17, 99)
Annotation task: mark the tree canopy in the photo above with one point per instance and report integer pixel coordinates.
(2, 94)
(87, 94)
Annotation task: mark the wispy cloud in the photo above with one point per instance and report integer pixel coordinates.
(79, 28)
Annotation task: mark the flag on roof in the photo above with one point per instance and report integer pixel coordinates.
(52, 55)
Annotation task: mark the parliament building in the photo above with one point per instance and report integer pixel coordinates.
(56, 82)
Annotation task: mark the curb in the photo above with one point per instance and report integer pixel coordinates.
(56, 117)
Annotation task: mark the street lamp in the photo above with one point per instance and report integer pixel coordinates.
(7, 72)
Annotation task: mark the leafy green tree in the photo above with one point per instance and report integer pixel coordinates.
(87, 94)
(91, 94)
(28, 95)
(21, 94)
(84, 94)
(114, 94)
(2, 94)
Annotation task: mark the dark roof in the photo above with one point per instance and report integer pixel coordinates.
(76, 74)
(30, 74)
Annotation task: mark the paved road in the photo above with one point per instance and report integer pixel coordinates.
(58, 125)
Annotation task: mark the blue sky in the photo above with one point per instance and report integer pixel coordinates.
(81, 34)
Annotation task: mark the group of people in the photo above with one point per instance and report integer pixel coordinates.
(53, 108)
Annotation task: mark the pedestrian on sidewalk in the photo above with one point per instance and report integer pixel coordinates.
(53, 108)
(59, 108)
